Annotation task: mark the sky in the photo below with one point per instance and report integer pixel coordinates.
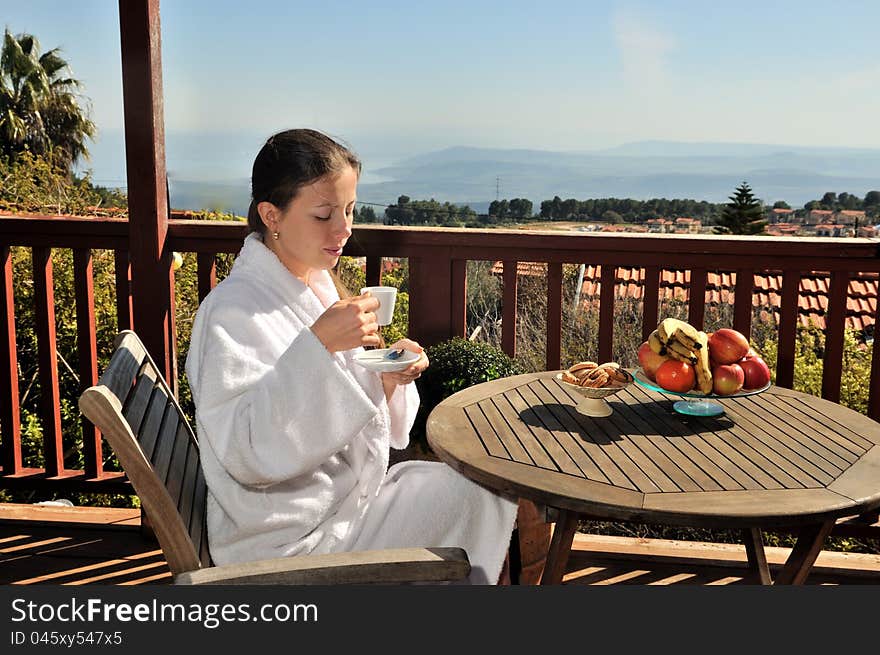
(395, 79)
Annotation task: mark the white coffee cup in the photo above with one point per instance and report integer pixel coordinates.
(386, 296)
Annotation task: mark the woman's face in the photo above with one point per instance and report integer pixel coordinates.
(315, 226)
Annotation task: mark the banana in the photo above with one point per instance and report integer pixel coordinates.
(688, 335)
(702, 368)
(656, 344)
(678, 351)
(666, 329)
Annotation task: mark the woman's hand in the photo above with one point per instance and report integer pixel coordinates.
(348, 323)
(390, 381)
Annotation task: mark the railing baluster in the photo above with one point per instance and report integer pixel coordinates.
(697, 297)
(123, 290)
(10, 419)
(554, 316)
(206, 271)
(788, 322)
(459, 297)
(87, 354)
(50, 403)
(835, 323)
(742, 307)
(874, 389)
(373, 273)
(650, 300)
(508, 315)
(606, 312)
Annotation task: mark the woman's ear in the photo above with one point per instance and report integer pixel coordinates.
(269, 215)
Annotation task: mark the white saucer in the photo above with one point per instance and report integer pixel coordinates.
(374, 360)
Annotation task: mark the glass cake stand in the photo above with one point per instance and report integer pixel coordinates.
(694, 403)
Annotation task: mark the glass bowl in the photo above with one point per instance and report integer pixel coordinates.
(695, 403)
(593, 401)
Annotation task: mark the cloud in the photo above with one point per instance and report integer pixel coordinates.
(643, 48)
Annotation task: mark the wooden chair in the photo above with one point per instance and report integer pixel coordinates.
(143, 423)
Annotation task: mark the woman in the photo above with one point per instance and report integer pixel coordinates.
(294, 435)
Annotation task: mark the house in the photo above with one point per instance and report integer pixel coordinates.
(819, 216)
(659, 225)
(850, 217)
(780, 215)
(685, 225)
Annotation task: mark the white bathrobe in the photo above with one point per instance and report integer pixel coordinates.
(294, 439)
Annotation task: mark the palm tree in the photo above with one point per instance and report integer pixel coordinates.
(39, 105)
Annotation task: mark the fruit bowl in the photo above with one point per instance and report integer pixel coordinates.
(695, 403)
(593, 401)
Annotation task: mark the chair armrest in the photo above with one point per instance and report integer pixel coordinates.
(387, 566)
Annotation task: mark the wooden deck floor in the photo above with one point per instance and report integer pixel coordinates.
(83, 545)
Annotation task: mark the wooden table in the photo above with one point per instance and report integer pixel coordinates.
(780, 459)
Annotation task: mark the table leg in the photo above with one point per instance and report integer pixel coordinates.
(803, 555)
(560, 547)
(757, 557)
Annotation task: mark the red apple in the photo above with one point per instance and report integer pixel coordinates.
(756, 372)
(727, 379)
(752, 353)
(649, 360)
(727, 346)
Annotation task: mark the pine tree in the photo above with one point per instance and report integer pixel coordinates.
(743, 214)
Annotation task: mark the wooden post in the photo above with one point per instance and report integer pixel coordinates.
(152, 278)
(430, 302)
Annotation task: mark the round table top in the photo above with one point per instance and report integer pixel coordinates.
(778, 459)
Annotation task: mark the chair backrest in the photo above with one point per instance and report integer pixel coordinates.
(143, 423)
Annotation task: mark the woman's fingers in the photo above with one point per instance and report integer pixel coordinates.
(407, 344)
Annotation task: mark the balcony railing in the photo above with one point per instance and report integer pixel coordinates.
(437, 260)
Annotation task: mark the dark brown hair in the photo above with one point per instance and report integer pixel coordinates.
(289, 161)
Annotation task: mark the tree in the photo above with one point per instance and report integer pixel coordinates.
(521, 208)
(365, 214)
(39, 105)
(743, 214)
(829, 200)
(781, 204)
(872, 198)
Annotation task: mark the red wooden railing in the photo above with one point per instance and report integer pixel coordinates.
(437, 269)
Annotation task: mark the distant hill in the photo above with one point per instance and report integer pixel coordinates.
(644, 170)
(640, 171)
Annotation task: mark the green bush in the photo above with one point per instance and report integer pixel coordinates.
(457, 364)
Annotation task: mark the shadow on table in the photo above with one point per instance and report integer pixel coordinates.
(626, 421)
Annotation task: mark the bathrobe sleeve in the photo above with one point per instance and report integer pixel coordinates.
(269, 420)
(402, 409)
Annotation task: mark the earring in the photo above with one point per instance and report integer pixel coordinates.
(275, 235)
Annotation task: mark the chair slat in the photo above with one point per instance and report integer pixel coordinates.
(148, 434)
(134, 406)
(176, 471)
(198, 528)
(188, 484)
(165, 440)
(124, 365)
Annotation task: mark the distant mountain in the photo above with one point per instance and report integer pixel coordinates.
(644, 170)
(640, 171)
